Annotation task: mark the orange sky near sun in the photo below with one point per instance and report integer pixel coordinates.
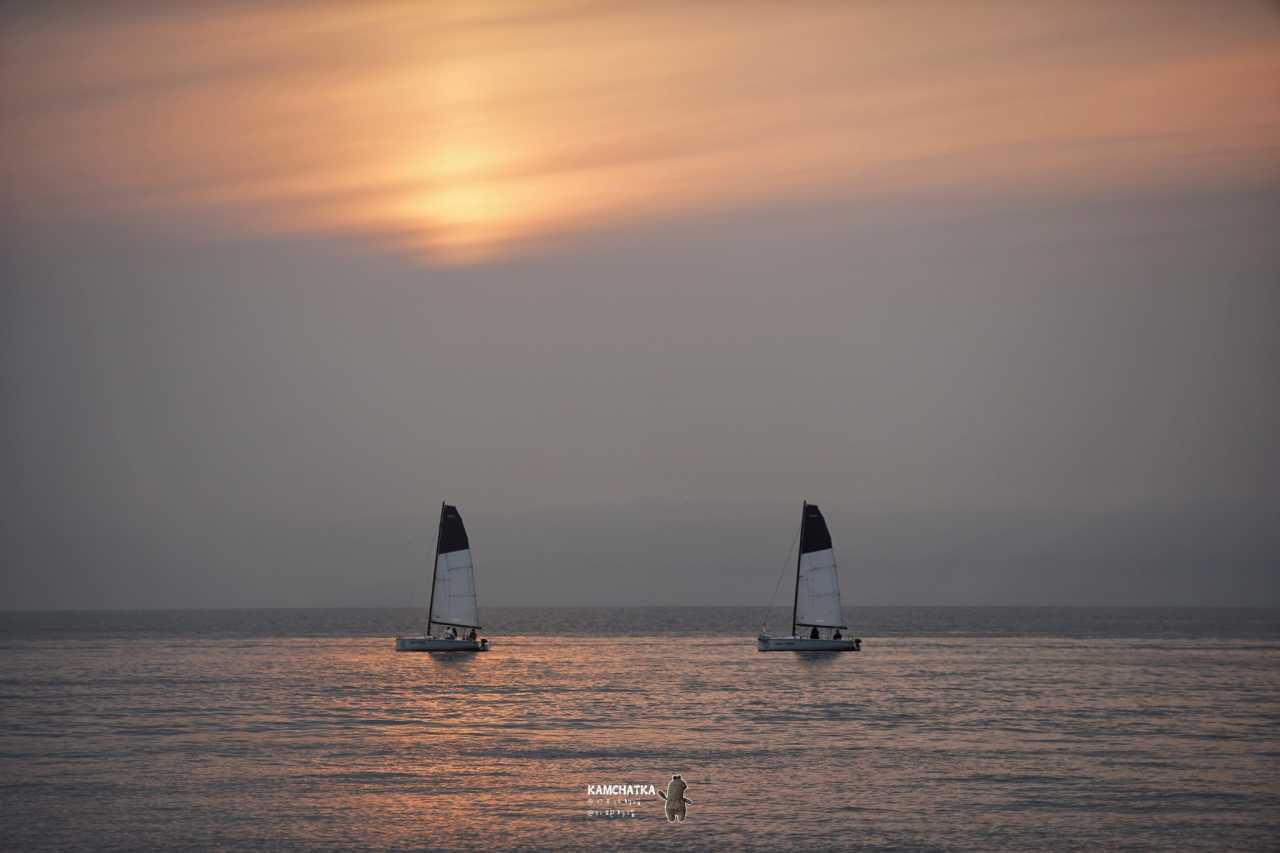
(466, 130)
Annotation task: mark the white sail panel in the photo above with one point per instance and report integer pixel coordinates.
(453, 592)
(453, 602)
(818, 591)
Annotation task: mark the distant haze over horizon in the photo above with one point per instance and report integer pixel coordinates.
(648, 553)
(997, 288)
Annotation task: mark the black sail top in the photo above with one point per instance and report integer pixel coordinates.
(453, 536)
(814, 536)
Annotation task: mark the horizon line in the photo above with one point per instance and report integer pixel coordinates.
(13, 610)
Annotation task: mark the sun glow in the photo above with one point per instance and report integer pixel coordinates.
(461, 209)
(464, 131)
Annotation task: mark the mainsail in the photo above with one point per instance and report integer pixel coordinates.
(453, 591)
(817, 587)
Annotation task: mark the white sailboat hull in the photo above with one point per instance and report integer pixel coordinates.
(439, 644)
(765, 643)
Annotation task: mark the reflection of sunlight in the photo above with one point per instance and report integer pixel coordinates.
(817, 659)
(448, 661)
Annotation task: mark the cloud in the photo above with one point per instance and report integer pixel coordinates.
(460, 131)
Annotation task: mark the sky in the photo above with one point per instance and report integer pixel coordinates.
(995, 284)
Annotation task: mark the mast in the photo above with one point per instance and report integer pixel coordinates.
(435, 566)
(795, 601)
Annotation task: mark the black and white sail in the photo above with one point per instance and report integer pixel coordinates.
(817, 587)
(453, 590)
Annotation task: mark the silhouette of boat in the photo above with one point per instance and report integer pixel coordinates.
(816, 604)
(452, 603)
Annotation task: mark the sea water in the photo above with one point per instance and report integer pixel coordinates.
(954, 728)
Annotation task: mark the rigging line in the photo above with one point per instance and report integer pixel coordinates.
(786, 563)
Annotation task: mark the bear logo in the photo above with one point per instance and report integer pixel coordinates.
(675, 799)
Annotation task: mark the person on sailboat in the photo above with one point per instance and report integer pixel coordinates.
(472, 635)
(451, 634)
(837, 635)
(813, 635)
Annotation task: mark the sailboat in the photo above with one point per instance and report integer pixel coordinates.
(816, 604)
(452, 602)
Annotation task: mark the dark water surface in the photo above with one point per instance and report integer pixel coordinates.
(956, 728)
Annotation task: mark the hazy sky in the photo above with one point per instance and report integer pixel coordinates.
(996, 284)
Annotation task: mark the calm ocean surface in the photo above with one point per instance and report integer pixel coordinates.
(955, 728)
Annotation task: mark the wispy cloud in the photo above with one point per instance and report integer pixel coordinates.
(461, 130)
